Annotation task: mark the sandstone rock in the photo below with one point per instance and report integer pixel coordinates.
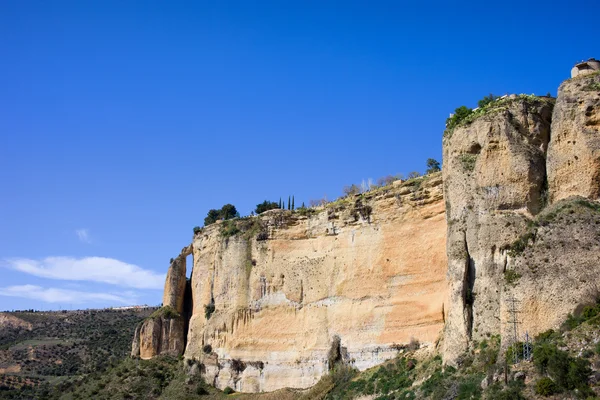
(174, 292)
(135, 346)
(370, 269)
(494, 173)
(574, 150)
(161, 335)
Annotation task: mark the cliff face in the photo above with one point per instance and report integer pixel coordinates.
(494, 173)
(369, 269)
(164, 332)
(574, 150)
(273, 297)
(513, 232)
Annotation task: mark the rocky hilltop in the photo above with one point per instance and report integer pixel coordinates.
(275, 300)
(516, 226)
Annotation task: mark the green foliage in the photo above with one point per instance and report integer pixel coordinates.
(389, 378)
(166, 312)
(265, 206)
(212, 217)
(511, 276)
(460, 114)
(468, 161)
(197, 230)
(486, 100)
(546, 387)
(566, 371)
(228, 211)
(209, 309)
(432, 166)
(228, 390)
(591, 86)
(229, 228)
(511, 392)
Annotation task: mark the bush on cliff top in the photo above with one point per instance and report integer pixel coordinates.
(166, 312)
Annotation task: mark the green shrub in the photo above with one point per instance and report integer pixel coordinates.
(468, 161)
(567, 372)
(228, 390)
(460, 114)
(209, 309)
(166, 312)
(265, 206)
(511, 392)
(546, 387)
(511, 276)
(229, 228)
(197, 230)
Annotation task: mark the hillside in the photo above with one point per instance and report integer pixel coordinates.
(41, 349)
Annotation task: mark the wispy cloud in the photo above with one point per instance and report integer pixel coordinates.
(84, 235)
(93, 269)
(55, 295)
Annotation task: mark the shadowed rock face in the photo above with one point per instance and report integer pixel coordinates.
(161, 336)
(574, 150)
(494, 176)
(164, 333)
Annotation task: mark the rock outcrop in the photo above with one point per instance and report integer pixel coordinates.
(270, 293)
(574, 150)
(165, 331)
(515, 220)
(494, 178)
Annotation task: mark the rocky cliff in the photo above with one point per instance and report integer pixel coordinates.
(515, 231)
(369, 269)
(275, 300)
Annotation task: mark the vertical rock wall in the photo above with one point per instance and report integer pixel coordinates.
(165, 331)
(574, 150)
(370, 269)
(494, 178)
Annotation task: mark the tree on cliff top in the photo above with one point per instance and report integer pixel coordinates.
(228, 211)
(432, 166)
(266, 206)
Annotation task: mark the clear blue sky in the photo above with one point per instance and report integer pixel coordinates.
(122, 122)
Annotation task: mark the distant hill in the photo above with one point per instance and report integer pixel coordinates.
(38, 349)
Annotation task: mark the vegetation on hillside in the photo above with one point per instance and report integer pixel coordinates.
(463, 115)
(63, 346)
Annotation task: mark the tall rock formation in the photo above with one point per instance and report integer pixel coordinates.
(272, 293)
(494, 178)
(514, 234)
(165, 331)
(574, 150)
(518, 218)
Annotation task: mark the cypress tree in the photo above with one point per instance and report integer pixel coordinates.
(289, 203)
(283, 205)
(292, 203)
(280, 202)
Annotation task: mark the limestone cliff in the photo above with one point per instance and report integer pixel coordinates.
(515, 217)
(369, 269)
(164, 332)
(494, 174)
(574, 150)
(505, 241)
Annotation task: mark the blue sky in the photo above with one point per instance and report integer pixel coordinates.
(122, 122)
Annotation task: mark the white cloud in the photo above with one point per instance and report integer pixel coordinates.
(54, 295)
(83, 235)
(94, 269)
